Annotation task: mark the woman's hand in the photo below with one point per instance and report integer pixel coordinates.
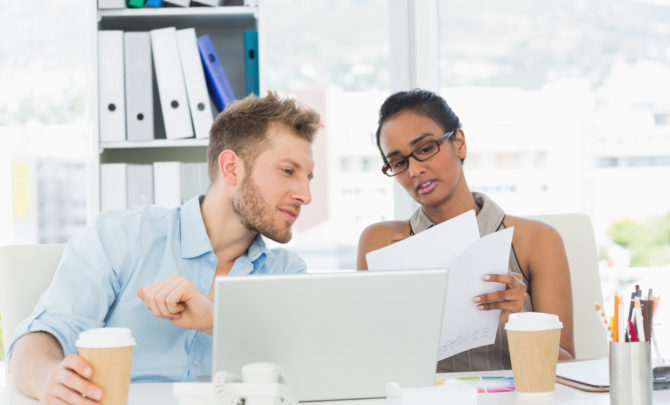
(509, 300)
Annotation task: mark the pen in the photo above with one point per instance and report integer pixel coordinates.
(630, 315)
(622, 322)
(631, 329)
(647, 306)
(630, 308)
(639, 322)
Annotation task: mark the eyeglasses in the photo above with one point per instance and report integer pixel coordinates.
(424, 152)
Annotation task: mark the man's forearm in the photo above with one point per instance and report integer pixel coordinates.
(33, 358)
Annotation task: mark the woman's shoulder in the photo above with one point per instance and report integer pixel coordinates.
(379, 234)
(530, 229)
(386, 228)
(533, 237)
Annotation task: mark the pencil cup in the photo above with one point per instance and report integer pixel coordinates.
(630, 373)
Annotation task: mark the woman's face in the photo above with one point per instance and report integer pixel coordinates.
(432, 181)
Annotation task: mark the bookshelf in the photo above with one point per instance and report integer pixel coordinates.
(225, 25)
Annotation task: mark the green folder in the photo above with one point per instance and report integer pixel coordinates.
(136, 3)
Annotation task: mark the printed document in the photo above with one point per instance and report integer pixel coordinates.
(455, 245)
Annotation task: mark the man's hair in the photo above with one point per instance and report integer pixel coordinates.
(242, 127)
(421, 102)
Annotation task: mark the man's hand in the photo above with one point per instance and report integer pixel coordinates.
(180, 302)
(509, 300)
(68, 384)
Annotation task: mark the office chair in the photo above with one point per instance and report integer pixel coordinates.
(25, 272)
(580, 247)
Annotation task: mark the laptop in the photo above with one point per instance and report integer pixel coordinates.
(336, 336)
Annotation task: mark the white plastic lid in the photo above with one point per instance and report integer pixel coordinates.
(105, 337)
(533, 321)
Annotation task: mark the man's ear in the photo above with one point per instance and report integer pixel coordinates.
(231, 167)
(460, 145)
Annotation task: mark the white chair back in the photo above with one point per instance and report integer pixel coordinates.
(25, 272)
(582, 252)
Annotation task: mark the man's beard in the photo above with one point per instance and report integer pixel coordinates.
(256, 214)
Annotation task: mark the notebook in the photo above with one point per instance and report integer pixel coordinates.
(340, 335)
(585, 375)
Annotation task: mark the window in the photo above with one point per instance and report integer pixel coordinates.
(333, 56)
(43, 143)
(582, 86)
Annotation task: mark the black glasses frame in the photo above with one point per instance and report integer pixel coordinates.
(386, 169)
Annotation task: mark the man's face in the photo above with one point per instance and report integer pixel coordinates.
(270, 197)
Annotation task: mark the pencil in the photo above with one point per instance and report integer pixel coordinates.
(615, 322)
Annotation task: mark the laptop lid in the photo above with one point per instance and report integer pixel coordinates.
(337, 335)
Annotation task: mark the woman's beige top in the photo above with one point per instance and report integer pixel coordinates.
(495, 356)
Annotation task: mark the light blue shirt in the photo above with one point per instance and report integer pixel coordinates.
(102, 268)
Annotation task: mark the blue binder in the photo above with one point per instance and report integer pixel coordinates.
(153, 3)
(217, 81)
(251, 61)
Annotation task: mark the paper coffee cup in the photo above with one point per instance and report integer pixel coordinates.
(534, 341)
(109, 351)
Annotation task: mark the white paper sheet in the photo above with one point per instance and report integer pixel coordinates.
(456, 245)
(463, 325)
(433, 248)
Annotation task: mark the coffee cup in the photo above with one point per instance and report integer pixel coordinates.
(109, 351)
(534, 341)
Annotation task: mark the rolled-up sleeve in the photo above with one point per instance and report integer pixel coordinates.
(84, 285)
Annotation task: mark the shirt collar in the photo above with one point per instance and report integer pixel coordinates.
(257, 248)
(194, 240)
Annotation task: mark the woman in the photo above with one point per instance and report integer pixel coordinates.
(423, 147)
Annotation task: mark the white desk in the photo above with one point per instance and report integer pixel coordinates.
(161, 394)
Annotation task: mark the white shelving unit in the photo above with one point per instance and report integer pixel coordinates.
(224, 24)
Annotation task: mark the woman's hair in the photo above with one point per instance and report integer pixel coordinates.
(421, 102)
(242, 127)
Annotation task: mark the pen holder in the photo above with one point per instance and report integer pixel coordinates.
(630, 373)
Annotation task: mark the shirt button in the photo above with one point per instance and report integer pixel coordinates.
(195, 362)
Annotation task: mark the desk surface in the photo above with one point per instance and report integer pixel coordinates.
(161, 394)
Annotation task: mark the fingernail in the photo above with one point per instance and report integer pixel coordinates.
(486, 277)
(97, 394)
(480, 306)
(476, 299)
(88, 372)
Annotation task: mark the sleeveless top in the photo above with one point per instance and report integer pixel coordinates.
(495, 356)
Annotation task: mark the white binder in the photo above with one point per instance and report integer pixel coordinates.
(111, 4)
(167, 184)
(110, 83)
(196, 87)
(140, 185)
(171, 89)
(113, 186)
(139, 86)
(212, 3)
(182, 3)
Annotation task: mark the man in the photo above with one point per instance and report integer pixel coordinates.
(152, 269)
